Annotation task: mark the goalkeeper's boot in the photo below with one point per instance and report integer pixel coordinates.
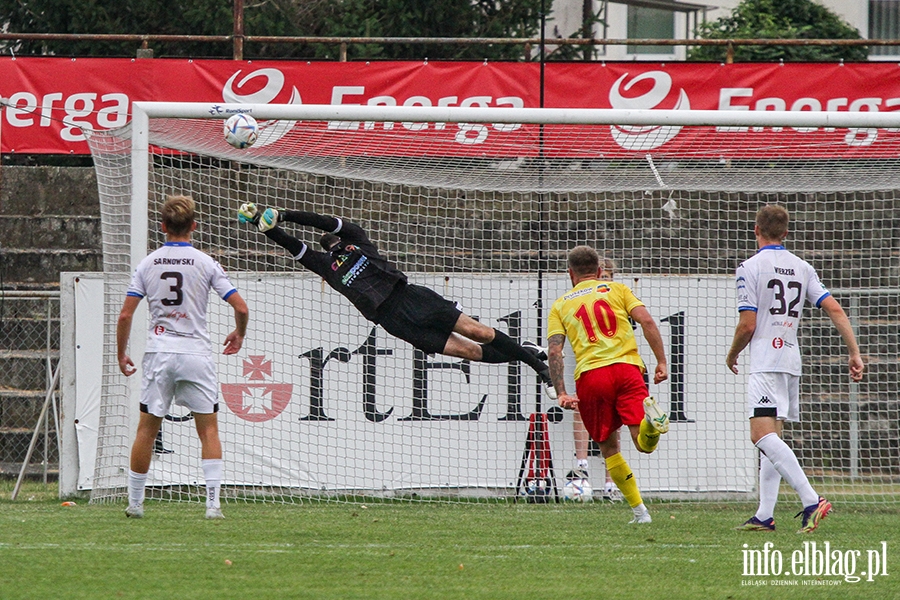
(539, 352)
(214, 513)
(812, 514)
(549, 389)
(754, 524)
(655, 415)
(135, 511)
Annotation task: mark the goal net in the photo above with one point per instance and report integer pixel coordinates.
(482, 205)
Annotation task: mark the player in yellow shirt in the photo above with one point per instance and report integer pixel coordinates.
(579, 434)
(610, 389)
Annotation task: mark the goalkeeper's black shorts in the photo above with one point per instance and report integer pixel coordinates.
(420, 316)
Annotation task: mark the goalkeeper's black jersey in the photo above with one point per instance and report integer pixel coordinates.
(354, 267)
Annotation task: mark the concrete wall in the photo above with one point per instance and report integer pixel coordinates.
(49, 222)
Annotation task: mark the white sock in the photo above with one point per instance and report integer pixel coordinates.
(582, 464)
(785, 462)
(212, 472)
(639, 509)
(136, 483)
(769, 482)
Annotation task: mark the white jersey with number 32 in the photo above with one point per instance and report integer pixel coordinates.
(776, 284)
(176, 280)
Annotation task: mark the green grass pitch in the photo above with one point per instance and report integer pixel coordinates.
(420, 551)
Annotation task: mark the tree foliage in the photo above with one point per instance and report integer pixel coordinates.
(429, 19)
(306, 18)
(779, 19)
(197, 17)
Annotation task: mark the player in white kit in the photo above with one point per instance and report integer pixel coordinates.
(772, 288)
(178, 364)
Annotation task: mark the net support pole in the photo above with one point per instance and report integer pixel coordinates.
(853, 311)
(140, 183)
(542, 207)
(139, 217)
(37, 432)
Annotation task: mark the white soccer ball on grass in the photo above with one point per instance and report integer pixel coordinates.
(578, 490)
(241, 130)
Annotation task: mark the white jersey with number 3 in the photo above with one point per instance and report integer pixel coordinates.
(776, 284)
(176, 280)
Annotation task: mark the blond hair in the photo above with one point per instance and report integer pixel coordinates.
(772, 221)
(178, 214)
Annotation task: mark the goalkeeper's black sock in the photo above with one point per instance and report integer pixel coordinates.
(513, 351)
(489, 354)
(288, 242)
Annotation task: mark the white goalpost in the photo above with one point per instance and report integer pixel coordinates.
(482, 205)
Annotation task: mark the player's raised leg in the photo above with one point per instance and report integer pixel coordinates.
(655, 422)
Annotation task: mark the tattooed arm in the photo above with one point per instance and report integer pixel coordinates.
(557, 370)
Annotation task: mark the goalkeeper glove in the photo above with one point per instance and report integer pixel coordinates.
(248, 213)
(267, 220)
(263, 220)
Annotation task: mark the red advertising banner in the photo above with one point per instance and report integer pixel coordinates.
(50, 99)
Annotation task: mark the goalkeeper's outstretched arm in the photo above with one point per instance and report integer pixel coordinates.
(346, 230)
(310, 219)
(267, 220)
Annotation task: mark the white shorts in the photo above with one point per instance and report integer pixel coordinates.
(774, 395)
(187, 379)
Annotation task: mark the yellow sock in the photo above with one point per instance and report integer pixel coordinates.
(648, 438)
(621, 474)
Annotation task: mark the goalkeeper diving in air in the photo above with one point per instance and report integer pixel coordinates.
(352, 265)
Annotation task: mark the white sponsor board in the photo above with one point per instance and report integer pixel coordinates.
(319, 398)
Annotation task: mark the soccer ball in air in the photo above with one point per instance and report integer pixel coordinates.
(241, 130)
(578, 490)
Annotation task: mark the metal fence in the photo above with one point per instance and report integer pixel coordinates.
(29, 355)
(532, 47)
